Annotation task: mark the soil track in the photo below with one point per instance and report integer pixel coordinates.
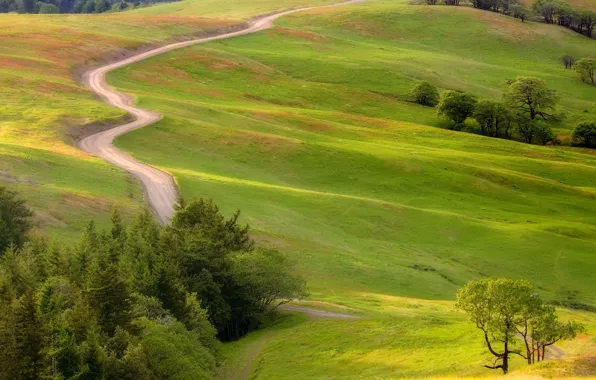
(161, 191)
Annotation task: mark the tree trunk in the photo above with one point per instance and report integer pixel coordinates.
(505, 366)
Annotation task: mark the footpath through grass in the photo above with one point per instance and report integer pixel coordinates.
(44, 108)
(304, 129)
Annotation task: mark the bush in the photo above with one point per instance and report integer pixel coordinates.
(567, 61)
(457, 106)
(425, 94)
(585, 133)
(48, 8)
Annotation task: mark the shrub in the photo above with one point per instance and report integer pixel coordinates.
(585, 133)
(457, 106)
(567, 61)
(425, 94)
(48, 8)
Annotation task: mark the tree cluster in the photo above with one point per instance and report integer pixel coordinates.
(135, 301)
(71, 6)
(561, 13)
(509, 312)
(524, 112)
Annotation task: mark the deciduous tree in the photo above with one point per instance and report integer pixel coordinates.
(456, 106)
(586, 68)
(530, 96)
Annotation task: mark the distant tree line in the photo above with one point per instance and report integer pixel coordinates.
(134, 301)
(525, 112)
(550, 11)
(72, 6)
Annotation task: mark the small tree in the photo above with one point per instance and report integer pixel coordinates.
(586, 68)
(15, 220)
(567, 61)
(457, 106)
(504, 309)
(544, 133)
(495, 118)
(425, 94)
(520, 12)
(530, 96)
(585, 133)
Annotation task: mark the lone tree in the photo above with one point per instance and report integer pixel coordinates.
(505, 309)
(520, 12)
(457, 106)
(586, 68)
(15, 220)
(425, 94)
(567, 61)
(530, 96)
(585, 133)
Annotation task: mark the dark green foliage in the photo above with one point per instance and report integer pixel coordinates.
(567, 61)
(28, 340)
(585, 133)
(108, 295)
(457, 106)
(425, 94)
(137, 301)
(15, 220)
(70, 6)
(561, 13)
(495, 118)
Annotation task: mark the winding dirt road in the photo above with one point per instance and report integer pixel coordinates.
(160, 188)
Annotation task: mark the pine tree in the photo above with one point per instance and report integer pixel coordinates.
(108, 295)
(84, 253)
(28, 338)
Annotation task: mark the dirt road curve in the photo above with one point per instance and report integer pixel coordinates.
(160, 189)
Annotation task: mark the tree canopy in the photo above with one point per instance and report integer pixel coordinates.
(585, 133)
(531, 97)
(457, 106)
(136, 301)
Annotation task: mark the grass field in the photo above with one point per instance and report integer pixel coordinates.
(44, 108)
(304, 129)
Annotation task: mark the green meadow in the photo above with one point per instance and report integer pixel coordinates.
(44, 108)
(304, 128)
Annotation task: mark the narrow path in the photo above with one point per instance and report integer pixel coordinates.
(316, 312)
(160, 188)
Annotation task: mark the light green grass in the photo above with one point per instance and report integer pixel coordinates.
(291, 128)
(231, 9)
(43, 106)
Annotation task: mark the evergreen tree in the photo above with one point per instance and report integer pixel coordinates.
(108, 295)
(28, 338)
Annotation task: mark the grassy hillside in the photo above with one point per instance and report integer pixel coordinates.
(303, 128)
(237, 9)
(44, 109)
(306, 134)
